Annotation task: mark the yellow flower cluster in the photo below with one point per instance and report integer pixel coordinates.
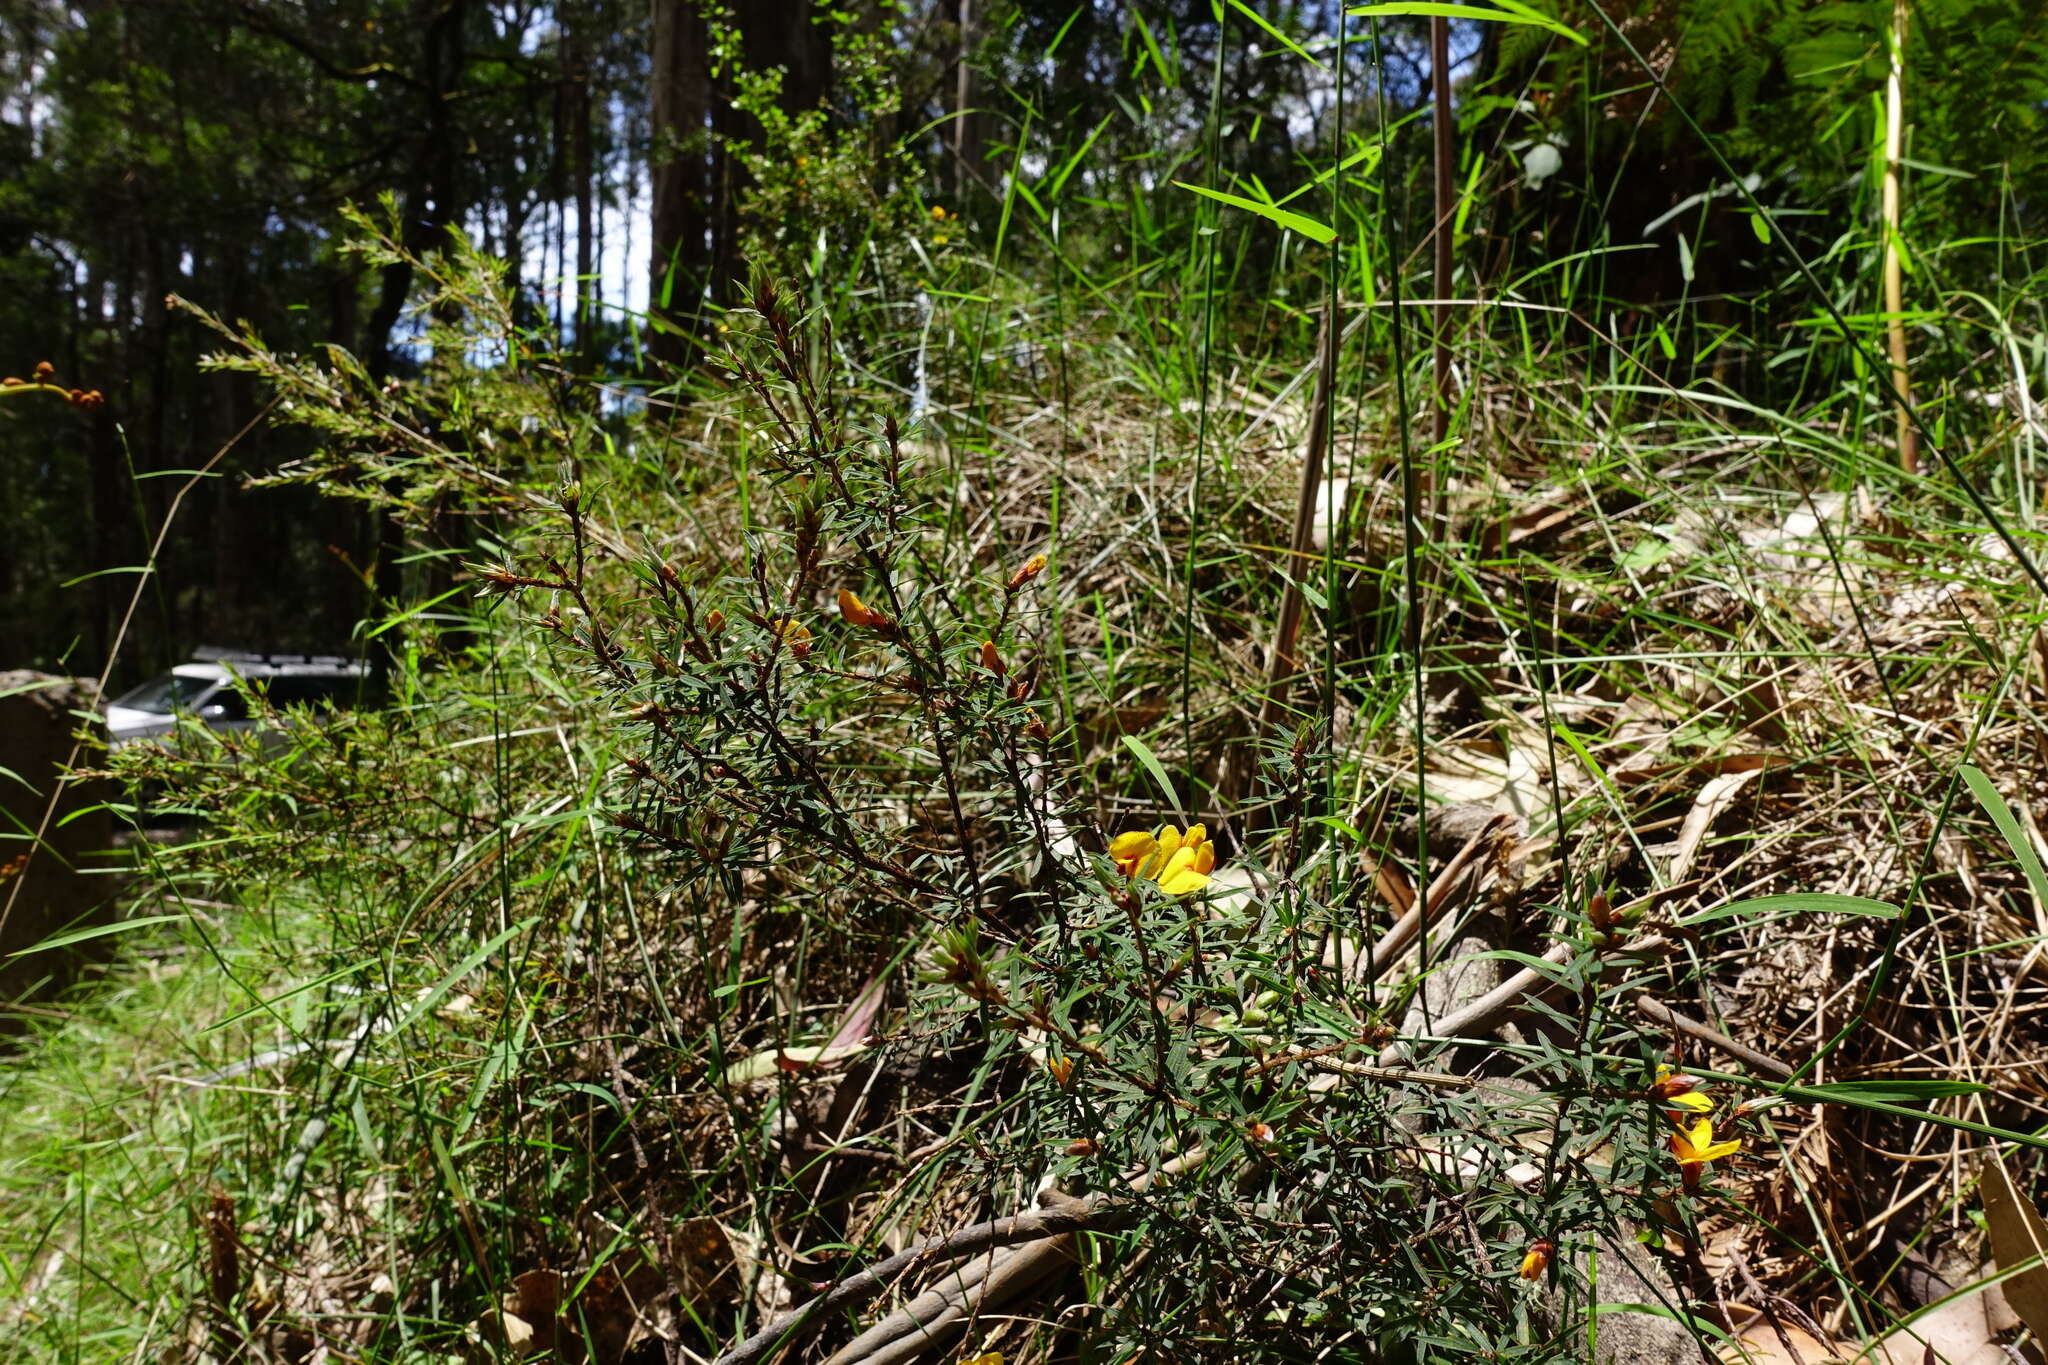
(1180, 861)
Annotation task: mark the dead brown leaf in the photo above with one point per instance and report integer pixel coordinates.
(2017, 1234)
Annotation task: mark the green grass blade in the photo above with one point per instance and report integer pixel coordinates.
(69, 937)
(1278, 36)
(1293, 222)
(1519, 14)
(1158, 771)
(2008, 825)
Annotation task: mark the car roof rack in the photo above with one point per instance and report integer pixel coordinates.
(209, 655)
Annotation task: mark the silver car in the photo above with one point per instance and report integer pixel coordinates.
(205, 689)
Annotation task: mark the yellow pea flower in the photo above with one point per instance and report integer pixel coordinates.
(790, 632)
(1695, 1147)
(1179, 861)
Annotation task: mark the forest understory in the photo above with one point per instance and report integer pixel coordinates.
(1056, 755)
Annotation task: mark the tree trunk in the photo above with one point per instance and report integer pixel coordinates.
(697, 178)
(679, 170)
(428, 206)
(428, 203)
(577, 57)
(965, 168)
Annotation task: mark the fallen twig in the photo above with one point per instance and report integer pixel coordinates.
(1657, 1012)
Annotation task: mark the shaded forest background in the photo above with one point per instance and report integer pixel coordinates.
(606, 149)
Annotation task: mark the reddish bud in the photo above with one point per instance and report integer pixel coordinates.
(991, 660)
(1673, 1086)
(45, 372)
(1083, 1147)
(1033, 567)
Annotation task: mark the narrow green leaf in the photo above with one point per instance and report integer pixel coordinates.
(1509, 14)
(2008, 824)
(1890, 1092)
(1278, 36)
(1467, 197)
(1293, 222)
(1061, 36)
(1797, 903)
(274, 1001)
(69, 937)
(462, 969)
(1158, 771)
(1369, 153)
(1169, 74)
(1051, 187)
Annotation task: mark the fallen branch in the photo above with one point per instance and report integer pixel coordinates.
(1387, 953)
(1030, 1263)
(795, 1328)
(945, 1309)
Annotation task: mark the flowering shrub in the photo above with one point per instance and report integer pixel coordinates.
(824, 767)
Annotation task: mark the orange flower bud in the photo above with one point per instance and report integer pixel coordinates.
(1061, 1069)
(45, 372)
(11, 382)
(714, 622)
(1260, 1133)
(858, 613)
(991, 660)
(1083, 1147)
(1538, 1259)
(1033, 567)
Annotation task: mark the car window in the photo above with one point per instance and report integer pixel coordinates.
(226, 704)
(164, 694)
